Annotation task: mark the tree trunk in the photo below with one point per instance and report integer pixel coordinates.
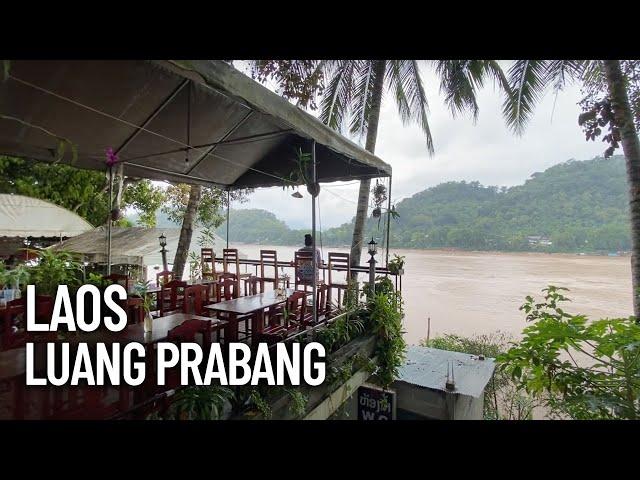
(370, 145)
(186, 232)
(623, 117)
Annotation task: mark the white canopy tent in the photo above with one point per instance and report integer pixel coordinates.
(22, 216)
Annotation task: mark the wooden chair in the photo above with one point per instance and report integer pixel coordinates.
(253, 285)
(164, 277)
(208, 261)
(195, 298)
(135, 310)
(269, 258)
(13, 333)
(342, 261)
(230, 257)
(302, 264)
(171, 297)
(287, 319)
(226, 289)
(321, 304)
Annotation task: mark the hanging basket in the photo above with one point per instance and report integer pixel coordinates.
(377, 212)
(313, 189)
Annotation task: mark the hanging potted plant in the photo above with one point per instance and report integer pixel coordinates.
(379, 192)
(396, 266)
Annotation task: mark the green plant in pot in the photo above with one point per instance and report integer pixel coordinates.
(14, 280)
(141, 290)
(55, 268)
(396, 265)
(195, 266)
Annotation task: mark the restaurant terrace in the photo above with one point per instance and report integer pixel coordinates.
(195, 122)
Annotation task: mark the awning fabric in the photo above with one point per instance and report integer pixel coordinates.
(198, 121)
(22, 216)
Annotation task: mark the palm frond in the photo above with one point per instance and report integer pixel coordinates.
(405, 82)
(527, 81)
(338, 93)
(560, 73)
(362, 95)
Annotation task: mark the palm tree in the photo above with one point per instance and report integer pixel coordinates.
(529, 78)
(352, 93)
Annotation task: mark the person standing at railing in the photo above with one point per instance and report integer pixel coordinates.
(305, 272)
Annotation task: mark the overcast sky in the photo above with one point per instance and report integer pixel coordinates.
(486, 152)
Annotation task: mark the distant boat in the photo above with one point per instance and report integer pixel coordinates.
(613, 254)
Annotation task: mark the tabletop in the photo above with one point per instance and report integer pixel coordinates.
(161, 327)
(250, 303)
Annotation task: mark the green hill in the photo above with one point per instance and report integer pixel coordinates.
(576, 205)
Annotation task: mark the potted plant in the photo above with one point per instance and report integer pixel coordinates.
(55, 268)
(195, 267)
(141, 290)
(13, 280)
(396, 265)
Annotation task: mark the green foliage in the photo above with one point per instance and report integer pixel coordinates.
(339, 332)
(386, 322)
(299, 400)
(582, 206)
(212, 201)
(84, 192)
(55, 268)
(200, 402)
(396, 264)
(581, 369)
(146, 198)
(97, 280)
(17, 277)
(257, 399)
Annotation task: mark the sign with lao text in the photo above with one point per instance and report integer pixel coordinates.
(376, 404)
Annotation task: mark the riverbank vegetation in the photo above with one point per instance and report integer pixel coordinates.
(565, 364)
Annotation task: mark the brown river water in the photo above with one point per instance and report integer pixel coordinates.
(480, 292)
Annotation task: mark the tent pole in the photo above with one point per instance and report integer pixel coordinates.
(228, 207)
(313, 230)
(388, 223)
(109, 221)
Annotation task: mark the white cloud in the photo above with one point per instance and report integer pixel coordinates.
(487, 152)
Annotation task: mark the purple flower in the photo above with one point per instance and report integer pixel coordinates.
(112, 157)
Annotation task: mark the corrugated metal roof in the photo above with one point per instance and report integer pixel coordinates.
(132, 245)
(427, 368)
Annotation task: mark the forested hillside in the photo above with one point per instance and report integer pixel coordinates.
(580, 206)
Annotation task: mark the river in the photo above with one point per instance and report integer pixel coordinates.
(480, 292)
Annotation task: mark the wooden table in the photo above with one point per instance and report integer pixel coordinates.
(161, 327)
(247, 305)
